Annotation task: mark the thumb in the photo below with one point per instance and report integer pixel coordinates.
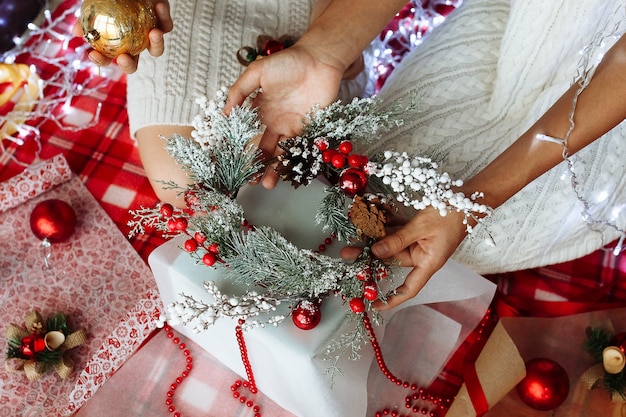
(391, 245)
(245, 85)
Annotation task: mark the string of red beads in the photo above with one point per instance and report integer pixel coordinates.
(431, 410)
(250, 384)
(169, 402)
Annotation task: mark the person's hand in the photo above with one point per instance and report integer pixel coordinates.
(291, 83)
(424, 243)
(156, 46)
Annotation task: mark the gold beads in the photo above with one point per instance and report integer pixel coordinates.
(115, 27)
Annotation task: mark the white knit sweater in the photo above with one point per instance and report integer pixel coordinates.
(200, 54)
(485, 76)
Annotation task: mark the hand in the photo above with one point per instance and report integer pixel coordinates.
(128, 63)
(424, 243)
(292, 81)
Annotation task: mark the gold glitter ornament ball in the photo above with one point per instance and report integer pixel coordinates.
(115, 27)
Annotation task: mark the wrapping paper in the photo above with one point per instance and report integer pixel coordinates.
(96, 279)
(287, 362)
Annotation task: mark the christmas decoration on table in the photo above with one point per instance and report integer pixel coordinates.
(42, 345)
(608, 352)
(115, 27)
(52, 221)
(265, 45)
(220, 159)
(55, 67)
(545, 386)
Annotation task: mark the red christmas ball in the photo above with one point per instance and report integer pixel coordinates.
(545, 386)
(352, 181)
(307, 315)
(31, 345)
(53, 220)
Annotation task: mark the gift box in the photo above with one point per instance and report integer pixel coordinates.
(491, 383)
(290, 364)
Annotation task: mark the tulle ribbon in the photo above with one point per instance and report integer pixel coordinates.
(33, 368)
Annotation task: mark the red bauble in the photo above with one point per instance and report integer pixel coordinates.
(352, 181)
(545, 386)
(53, 220)
(307, 315)
(31, 345)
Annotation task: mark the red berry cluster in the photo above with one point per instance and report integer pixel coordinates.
(370, 287)
(341, 156)
(177, 223)
(352, 177)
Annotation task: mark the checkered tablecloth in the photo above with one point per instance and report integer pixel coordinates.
(102, 154)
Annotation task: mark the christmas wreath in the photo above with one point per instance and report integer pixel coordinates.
(363, 195)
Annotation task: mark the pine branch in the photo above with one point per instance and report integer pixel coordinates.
(264, 256)
(332, 215)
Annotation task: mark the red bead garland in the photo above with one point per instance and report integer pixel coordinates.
(413, 403)
(250, 384)
(169, 402)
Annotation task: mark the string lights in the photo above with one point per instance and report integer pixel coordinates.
(65, 74)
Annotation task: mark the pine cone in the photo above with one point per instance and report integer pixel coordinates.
(370, 214)
(300, 163)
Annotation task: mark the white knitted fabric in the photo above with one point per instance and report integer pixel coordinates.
(486, 75)
(200, 54)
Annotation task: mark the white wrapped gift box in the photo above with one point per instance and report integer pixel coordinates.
(290, 364)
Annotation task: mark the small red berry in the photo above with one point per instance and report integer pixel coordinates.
(171, 225)
(357, 305)
(381, 273)
(321, 143)
(199, 237)
(370, 290)
(354, 161)
(167, 210)
(345, 147)
(364, 274)
(338, 160)
(327, 155)
(214, 248)
(209, 259)
(191, 245)
(181, 224)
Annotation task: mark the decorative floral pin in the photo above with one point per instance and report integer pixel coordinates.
(40, 345)
(609, 353)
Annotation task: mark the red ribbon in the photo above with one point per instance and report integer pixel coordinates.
(472, 383)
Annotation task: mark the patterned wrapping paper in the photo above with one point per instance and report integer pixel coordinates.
(97, 280)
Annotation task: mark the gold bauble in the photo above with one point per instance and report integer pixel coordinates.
(115, 27)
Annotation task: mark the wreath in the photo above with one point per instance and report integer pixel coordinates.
(363, 196)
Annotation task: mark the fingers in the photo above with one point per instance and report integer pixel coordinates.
(127, 63)
(414, 282)
(390, 245)
(246, 84)
(77, 29)
(99, 59)
(162, 9)
(156, 45)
